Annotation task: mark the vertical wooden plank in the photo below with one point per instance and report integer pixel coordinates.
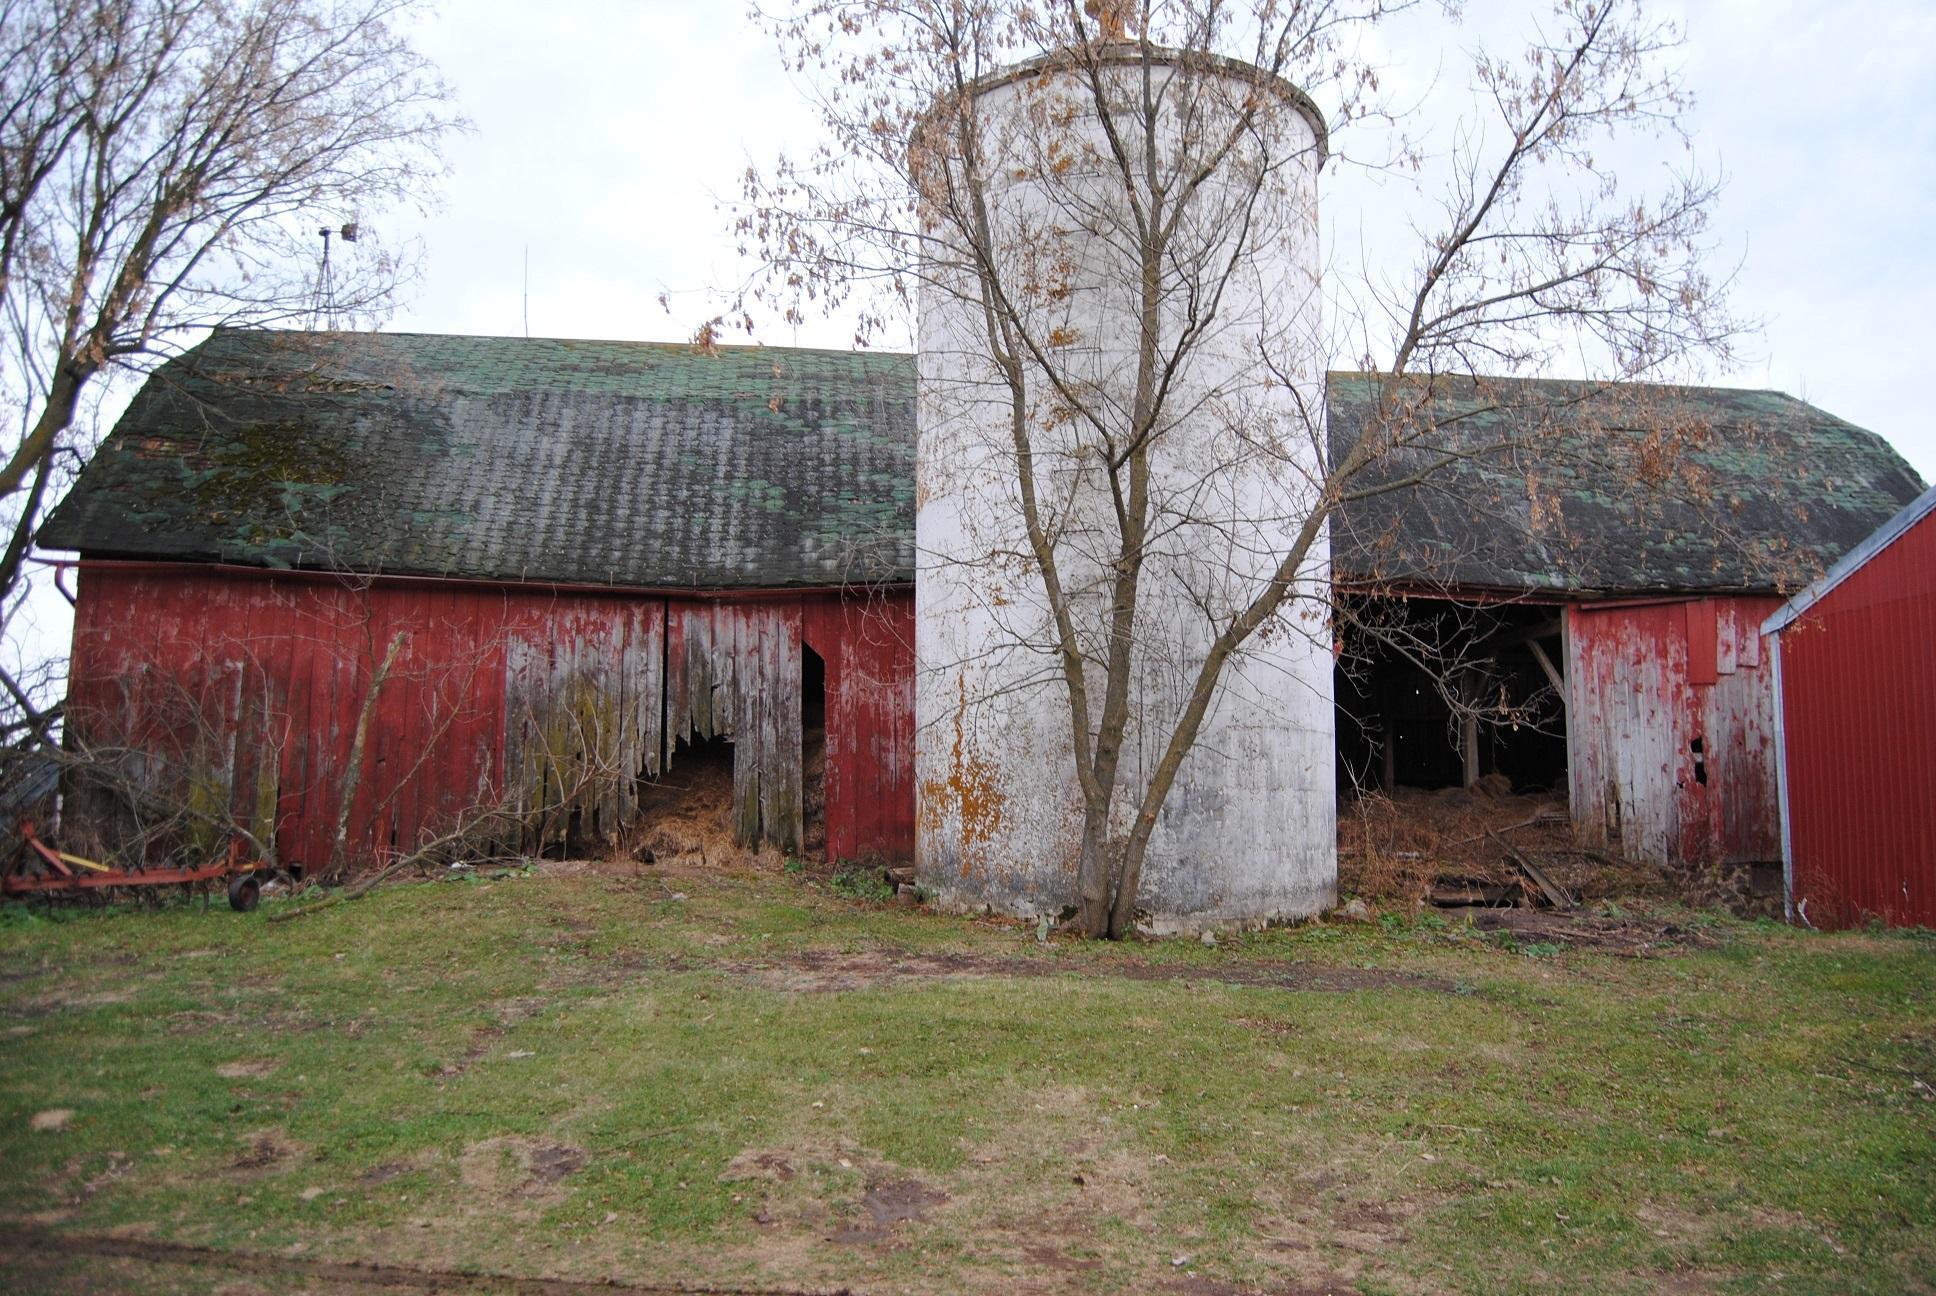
(781, 780)
(654, 694)
(1702, 640)
(676, 726)
(1727, 636)
(698, 622)
(740, 699)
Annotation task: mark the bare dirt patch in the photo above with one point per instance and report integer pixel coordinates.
(888, 1204)
(1689, 1282)
(512, 1168)
(506, 1014)
(248, 1069)
(1043, 1255)
(296, 1273)
(54, 1000)
(814, 971)
(384, 1173)
(1197, 1285)
(263, 1151)
(766, 1164)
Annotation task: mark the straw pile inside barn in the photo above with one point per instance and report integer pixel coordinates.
(690, 811)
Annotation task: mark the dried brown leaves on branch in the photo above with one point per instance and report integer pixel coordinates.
(1529, 249)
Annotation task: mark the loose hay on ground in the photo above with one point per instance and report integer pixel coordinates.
(1396, 848)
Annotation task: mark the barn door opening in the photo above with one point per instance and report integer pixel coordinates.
(1451, 725)
(1435, 694)
(813, 753)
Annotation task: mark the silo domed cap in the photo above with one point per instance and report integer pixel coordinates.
(1129, 53)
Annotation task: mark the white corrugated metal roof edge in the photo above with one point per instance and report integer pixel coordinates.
(1883, 536)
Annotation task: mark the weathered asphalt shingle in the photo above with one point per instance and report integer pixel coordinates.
(1570, 487)
(607, 462)
(638, 464)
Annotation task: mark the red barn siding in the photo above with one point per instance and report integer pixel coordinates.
(1858, 686)
(251, 686)
(869, 650)
(1644, 682)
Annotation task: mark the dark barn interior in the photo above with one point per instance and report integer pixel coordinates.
(1433, 693)
(813, 753)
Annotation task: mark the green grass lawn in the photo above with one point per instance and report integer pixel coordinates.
(751, 1083)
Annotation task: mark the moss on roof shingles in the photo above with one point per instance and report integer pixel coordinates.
(1551, 486)
(617, 463)
(647, 465)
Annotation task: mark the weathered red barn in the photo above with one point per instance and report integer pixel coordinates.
(1857, 720)
(1598, 560)
(458, 573)
(578, 558)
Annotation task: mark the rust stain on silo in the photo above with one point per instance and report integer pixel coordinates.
(970, 790)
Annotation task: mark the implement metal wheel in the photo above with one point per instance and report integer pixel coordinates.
(244, 892)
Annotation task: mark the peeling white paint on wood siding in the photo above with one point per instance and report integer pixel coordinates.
(1638, 703)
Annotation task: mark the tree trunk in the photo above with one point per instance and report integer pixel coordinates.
(56, 416)
(1093, 877)
(1129, 880)
(353, 770)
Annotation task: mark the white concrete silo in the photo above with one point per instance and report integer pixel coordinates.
(1248, 832)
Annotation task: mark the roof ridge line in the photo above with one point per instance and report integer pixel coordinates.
(735, 347)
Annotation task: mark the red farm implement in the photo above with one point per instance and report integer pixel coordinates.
(38, 869)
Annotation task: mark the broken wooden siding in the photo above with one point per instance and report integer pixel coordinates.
(1670, 730)
(736, 675)
(244, 690)
(734, 669)
(584, 713)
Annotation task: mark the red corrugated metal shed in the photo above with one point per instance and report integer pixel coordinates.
(1856, 665)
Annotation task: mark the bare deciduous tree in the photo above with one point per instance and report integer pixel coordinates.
(166, 165)
(1148, 177)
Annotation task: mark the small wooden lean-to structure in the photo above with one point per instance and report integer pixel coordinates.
(452, 573)
(1857, 706)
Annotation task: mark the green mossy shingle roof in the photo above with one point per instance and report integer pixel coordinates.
(613, 463)
(1551, 486)
(662, 466)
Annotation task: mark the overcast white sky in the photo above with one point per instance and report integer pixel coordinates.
(605, 132)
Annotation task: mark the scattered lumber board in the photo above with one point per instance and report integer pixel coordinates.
(1555, 894)
(1472, 893)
